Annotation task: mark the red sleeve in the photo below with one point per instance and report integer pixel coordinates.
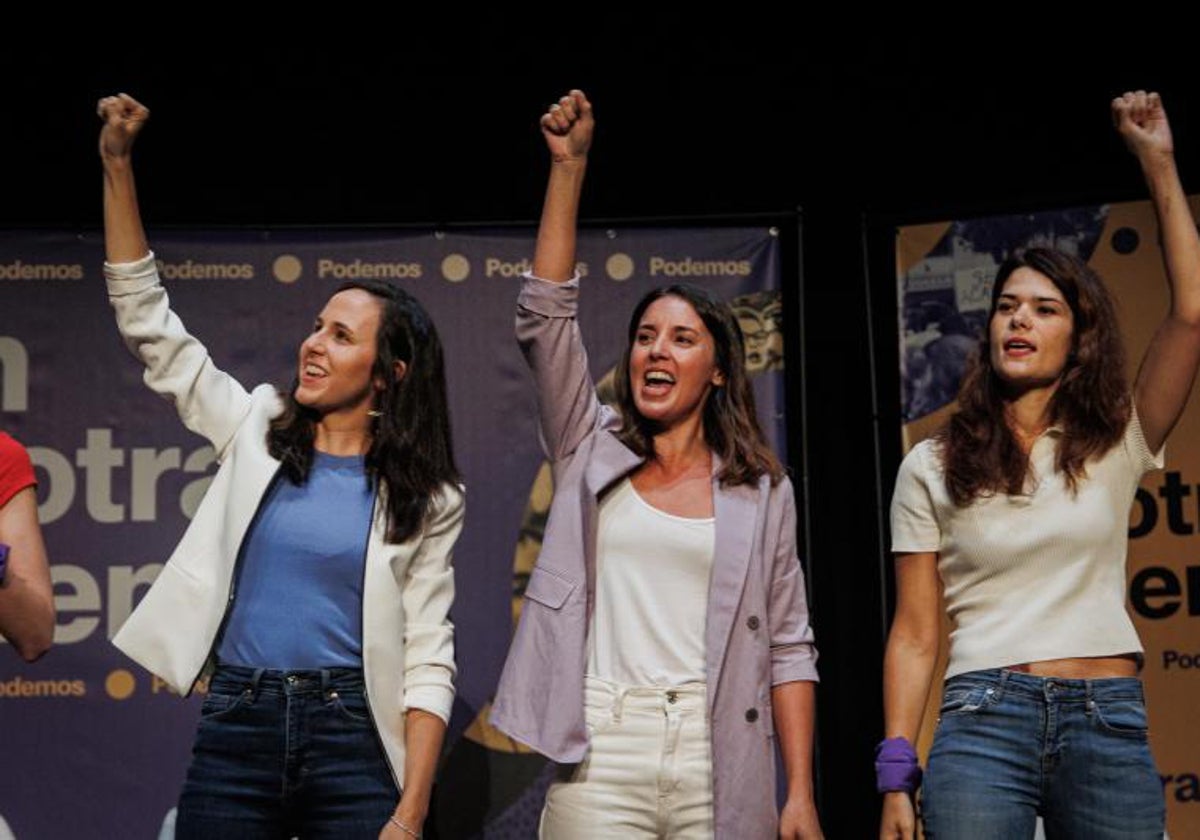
(16, 470)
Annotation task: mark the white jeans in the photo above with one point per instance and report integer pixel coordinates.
(648, 772)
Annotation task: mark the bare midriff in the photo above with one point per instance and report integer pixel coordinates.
(1081, 668)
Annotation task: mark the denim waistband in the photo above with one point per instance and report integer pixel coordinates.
(1057, 688)
(299, 681)
(620, 698)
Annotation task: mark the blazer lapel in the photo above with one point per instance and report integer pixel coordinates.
(735, 510)
(610, 459)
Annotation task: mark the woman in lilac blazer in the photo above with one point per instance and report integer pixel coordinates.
(686, 439)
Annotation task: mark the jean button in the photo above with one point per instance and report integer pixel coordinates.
(291, 679)
(333, 695)
(672, 696)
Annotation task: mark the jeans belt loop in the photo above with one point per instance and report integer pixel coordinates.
(255, 682)
(618, 703)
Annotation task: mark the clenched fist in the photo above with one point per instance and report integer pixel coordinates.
(123, 118)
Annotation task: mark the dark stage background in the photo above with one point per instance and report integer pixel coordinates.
(366, 122)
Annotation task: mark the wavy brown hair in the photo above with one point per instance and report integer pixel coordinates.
(730, 419)
(411, 448)
(1092, 403)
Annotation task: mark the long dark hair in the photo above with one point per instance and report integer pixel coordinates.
(410, 438)
(1092, 403)
(730, 420)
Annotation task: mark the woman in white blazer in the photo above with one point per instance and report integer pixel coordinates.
(332, 517)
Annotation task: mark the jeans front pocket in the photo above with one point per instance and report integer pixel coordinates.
(219, 704)
(350, 705)
(1125, 717)
(598, 717)
(967, 698)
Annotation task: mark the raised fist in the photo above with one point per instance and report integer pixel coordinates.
(123, 118)
(1142, 122)
(567, 126)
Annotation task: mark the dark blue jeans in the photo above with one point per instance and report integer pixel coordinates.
(1010, 746)
(282, 754)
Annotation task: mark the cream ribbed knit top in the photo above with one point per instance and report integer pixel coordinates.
(1035, 576)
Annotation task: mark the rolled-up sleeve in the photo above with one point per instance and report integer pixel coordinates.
(550, 340)
(429, 668)
(793, 644)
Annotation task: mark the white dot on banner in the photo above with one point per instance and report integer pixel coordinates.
(287, 268)
(119, 684)
(619, 266)
(456, 268)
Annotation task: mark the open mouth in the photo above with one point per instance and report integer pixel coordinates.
(1019, 347)
(312, 371)
(657, 382)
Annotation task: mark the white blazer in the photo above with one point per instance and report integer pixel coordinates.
(408, 640)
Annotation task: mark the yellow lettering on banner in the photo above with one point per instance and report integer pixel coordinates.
(192, 270)
(689, 267)
(19, 688)
(19, 270)
(496, 267)
(359, 270)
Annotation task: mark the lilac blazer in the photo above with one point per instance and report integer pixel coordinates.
(757, 633)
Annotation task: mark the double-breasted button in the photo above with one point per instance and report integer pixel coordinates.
(751, 715)
(752, 622)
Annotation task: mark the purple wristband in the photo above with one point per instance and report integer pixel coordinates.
(896, 766)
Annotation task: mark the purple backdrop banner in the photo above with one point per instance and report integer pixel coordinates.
(95, 746)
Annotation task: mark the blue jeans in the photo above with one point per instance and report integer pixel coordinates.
(1010, 746)
(281, 754)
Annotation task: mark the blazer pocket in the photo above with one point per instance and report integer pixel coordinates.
(548, 588)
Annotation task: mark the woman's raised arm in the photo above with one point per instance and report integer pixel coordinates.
(209, 401)
(124, 237)
(1168, 369)
(567, 126)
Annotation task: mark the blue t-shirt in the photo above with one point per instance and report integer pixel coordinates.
(298, 601)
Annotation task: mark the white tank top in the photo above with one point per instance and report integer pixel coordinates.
(652, 575)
